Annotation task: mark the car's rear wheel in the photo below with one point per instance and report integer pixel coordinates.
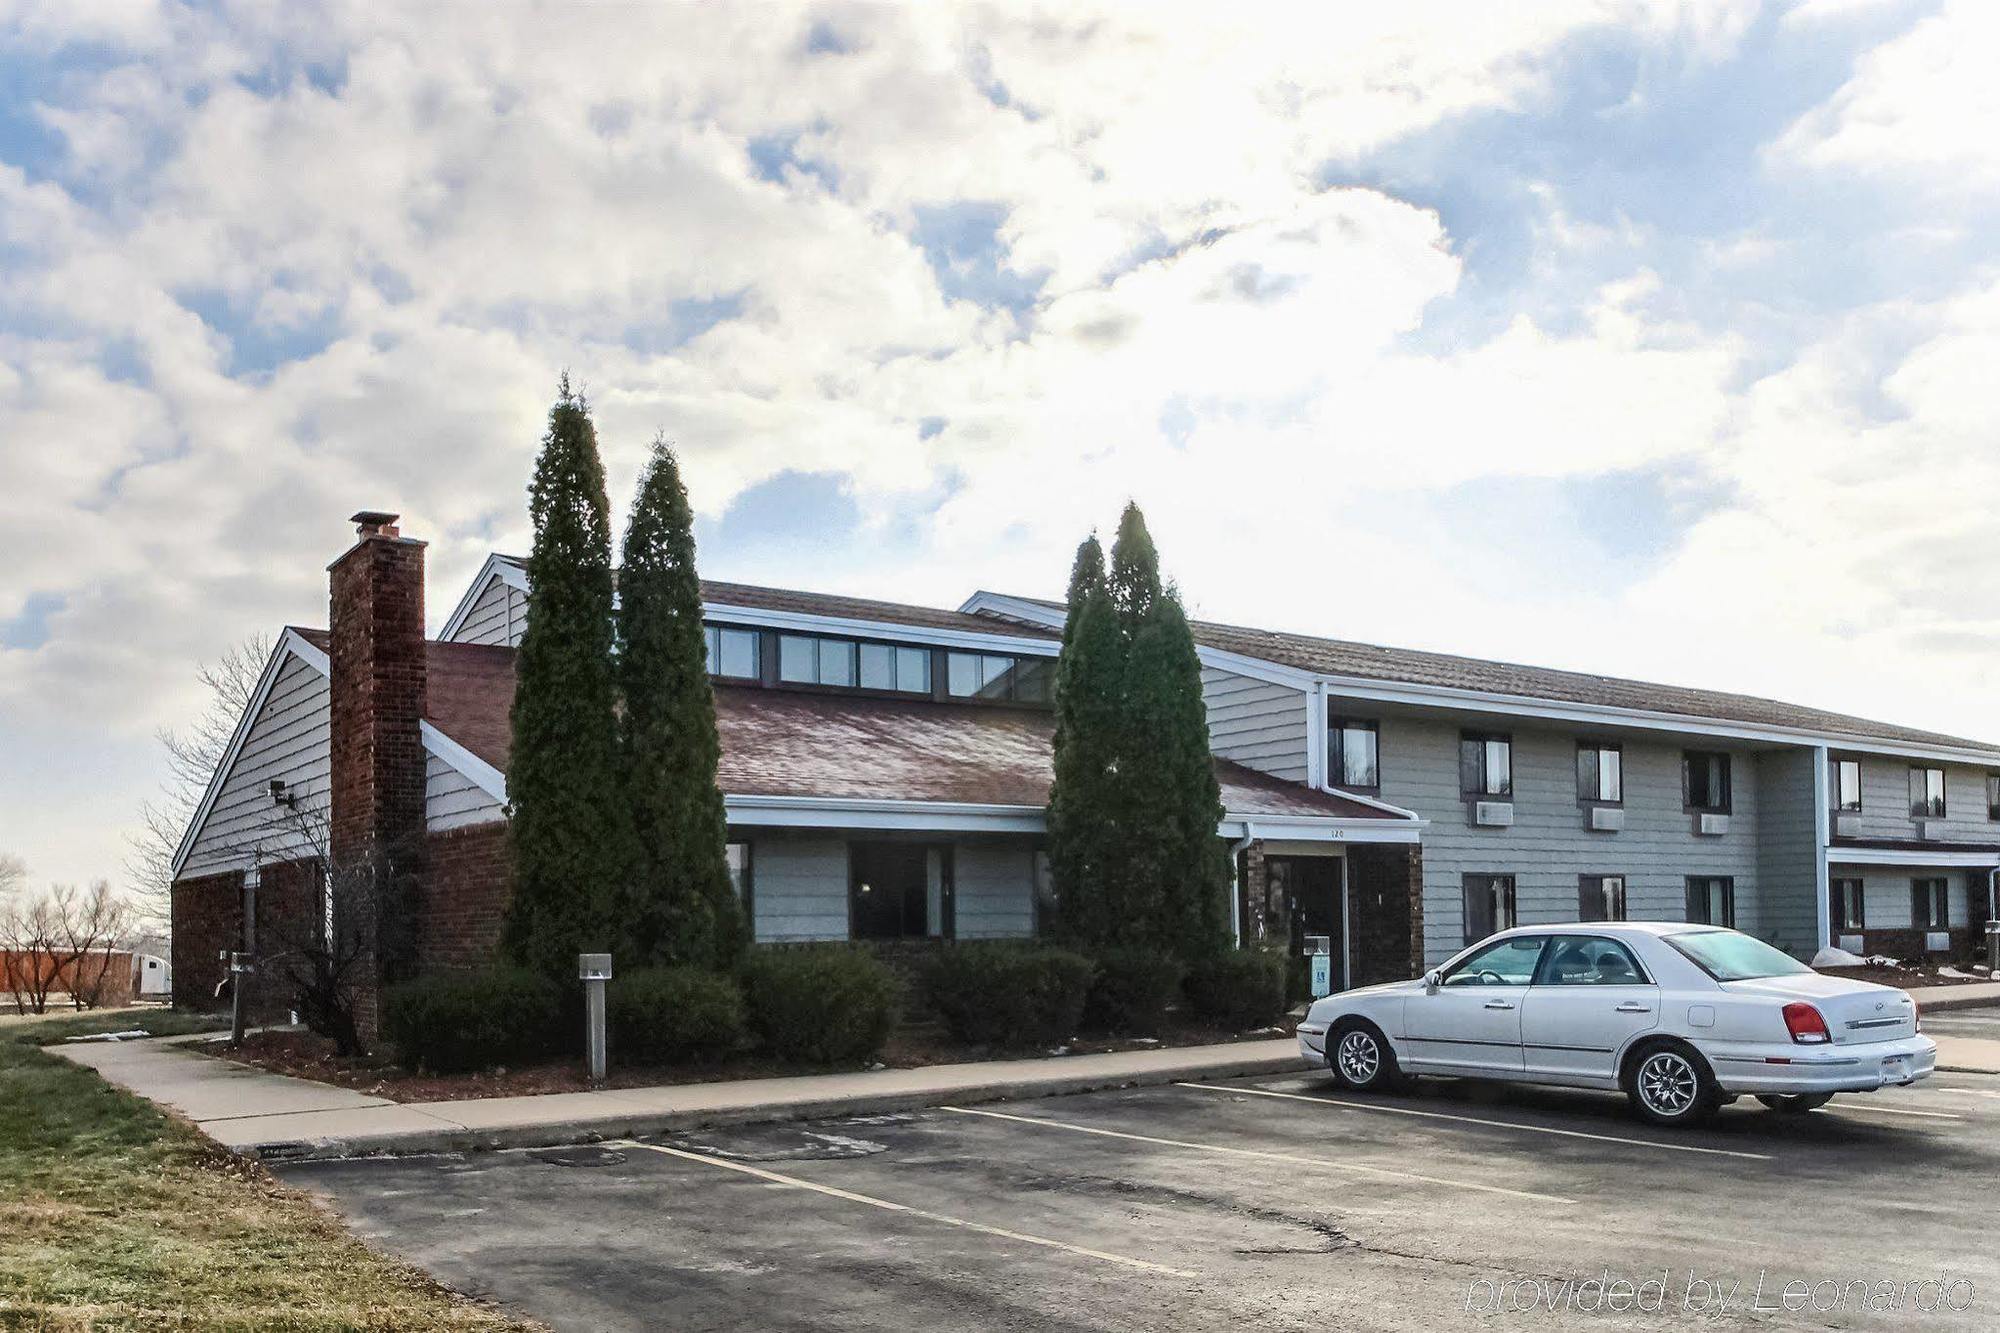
(1669, 1084)
(1795, 1103)
(1360, 1057)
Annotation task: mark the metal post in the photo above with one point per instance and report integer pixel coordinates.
(1993, 949)
(594, 969)
(239, 968)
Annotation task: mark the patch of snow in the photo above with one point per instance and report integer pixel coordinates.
(1949, 971)
(1882, 960)
(132, 1035)
(1145, 1041)
(1832, 957)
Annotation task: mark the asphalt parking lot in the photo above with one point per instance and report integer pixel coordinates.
(1271, 1202)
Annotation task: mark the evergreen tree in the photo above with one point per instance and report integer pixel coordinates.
(1133, 812)
(1172, 799)
(1083, 819)
(571, 828)
(684, 910)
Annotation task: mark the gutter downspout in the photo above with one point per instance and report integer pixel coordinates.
(1236, 850)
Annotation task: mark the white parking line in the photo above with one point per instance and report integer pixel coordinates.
(888, 1206)
(1327, 1163)
(1967, 1092)
(1478, 1120)
(1891, 1110)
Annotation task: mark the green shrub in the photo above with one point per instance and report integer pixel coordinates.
(821, 1003)
(1244, 988)
(453, 1022)
(1010, 994)
(669, 1015)
(1132, 991)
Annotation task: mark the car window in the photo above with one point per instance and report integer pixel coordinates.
(1508, 962)
(1588, 960)
(1729, 956)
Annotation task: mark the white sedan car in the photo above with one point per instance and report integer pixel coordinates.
(1680, 1017)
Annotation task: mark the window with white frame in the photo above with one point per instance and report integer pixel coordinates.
(1847, 785)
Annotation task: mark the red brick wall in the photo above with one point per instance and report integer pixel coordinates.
(208, 918)
(468, 882)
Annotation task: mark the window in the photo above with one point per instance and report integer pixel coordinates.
(999, 678)
(1711, 900)
(1501, 963)
(1927, 793)
(1847, 784)
(737, 855)
(1353, 753)
(1489, 905)
(1600, 773)
(1993, 796)
(899, 890)
(1588, 960)
(1601, 898)
(1705, 778)
(1731, 957)
(1850, 910)
(892, 667)
(1930, 904)
(1485, 764)
(733, 652)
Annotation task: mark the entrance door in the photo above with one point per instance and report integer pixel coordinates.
(1304, 897)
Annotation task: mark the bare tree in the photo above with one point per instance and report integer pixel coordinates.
(62, 942)
(193, 753)
(13, 876)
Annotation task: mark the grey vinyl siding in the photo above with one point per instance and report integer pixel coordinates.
(1785, 907)
(1885, 893)
(799, 886)
(288, 740)
(452, 800)
(498, 616)
(1547, 849)
(1885, 800)
(994, 884)
(1257, 724)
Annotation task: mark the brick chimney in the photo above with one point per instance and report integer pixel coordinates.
(379, 682)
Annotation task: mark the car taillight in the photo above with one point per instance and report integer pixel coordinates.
(1806, 1025)
(1917, 1013)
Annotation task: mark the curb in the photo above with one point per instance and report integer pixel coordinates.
(1950, 1002)
(624, 1126)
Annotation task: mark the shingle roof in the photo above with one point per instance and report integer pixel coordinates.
(840, 746)
(717, 593)
(1367, 661)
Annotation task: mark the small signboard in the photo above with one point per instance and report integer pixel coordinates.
(1322, 976)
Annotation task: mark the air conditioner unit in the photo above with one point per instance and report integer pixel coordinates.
(1606, 818)
(1854, 944)
(1930, 829)
(1711, 826)
(1493, 814)
(1937, 941)
(1847, 825)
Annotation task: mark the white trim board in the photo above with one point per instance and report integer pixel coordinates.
(496, 566)
(1885, 856)
(290, 644)
(484, 776)
(893, 631)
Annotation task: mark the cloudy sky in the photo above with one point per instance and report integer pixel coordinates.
(1656, 340)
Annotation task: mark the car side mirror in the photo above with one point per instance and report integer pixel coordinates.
(1432, 980)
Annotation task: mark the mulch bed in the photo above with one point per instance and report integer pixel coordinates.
(303, 1055)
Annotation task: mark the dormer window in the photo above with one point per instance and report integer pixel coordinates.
(998, 678)
(733, 653)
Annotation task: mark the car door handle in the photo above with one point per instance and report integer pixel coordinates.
(1499, 1004)
(1629, 1008)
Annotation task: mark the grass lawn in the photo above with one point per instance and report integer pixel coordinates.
(60, 1025)
(115, 1215)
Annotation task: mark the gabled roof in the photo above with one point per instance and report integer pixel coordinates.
(1407, 666)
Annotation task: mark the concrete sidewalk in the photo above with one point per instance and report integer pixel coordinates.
(272, 1115)
(1943, 999)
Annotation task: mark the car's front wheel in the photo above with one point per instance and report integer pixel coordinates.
(1795, 1103)
(1360, 1058)
(1669, 1084)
